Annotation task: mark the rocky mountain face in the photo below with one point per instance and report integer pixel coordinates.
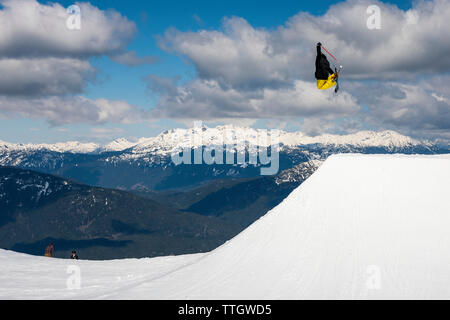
(101, 223)
(38, 208)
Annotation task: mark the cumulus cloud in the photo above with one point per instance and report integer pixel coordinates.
(206, 99)
(240, 55)
(43, 63)
(409, 42)
(39, 55)
(413, 108)
(69, 110)
(44, 76)
(31, 29)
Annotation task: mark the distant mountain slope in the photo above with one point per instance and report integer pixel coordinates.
(238, 201)
(102, 223)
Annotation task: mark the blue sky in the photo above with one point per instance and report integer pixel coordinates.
(120, 82)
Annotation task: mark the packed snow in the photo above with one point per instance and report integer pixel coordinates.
(361, 227)
(29, 277)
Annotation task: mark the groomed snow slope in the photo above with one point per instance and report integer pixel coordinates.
(361, 227)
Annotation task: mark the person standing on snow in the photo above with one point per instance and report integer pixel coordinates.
(74, 255)
(49, 250)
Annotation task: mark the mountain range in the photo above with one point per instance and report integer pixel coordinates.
(169, 140)
(147, 162)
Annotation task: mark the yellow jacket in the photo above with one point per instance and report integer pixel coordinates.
(326, 84)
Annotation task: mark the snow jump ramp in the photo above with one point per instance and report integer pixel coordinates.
(361, 227)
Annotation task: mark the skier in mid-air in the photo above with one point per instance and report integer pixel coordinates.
(326, 77)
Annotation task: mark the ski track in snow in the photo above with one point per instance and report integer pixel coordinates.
(30, 277)
(361, 227)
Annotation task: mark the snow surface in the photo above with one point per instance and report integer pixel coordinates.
(361, 227)
(29, 277)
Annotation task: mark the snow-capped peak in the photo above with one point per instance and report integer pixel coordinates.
(362, 138)
(231, 135)
(70, 146)
(118, 145)
(175, 139)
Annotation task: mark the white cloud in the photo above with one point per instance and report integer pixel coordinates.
(440, 98)
(240, 55)
(75, 109)
(408, 107)
(40, 56)
(31, 29)
(44, 76)
(43, 63)
(207, 100)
